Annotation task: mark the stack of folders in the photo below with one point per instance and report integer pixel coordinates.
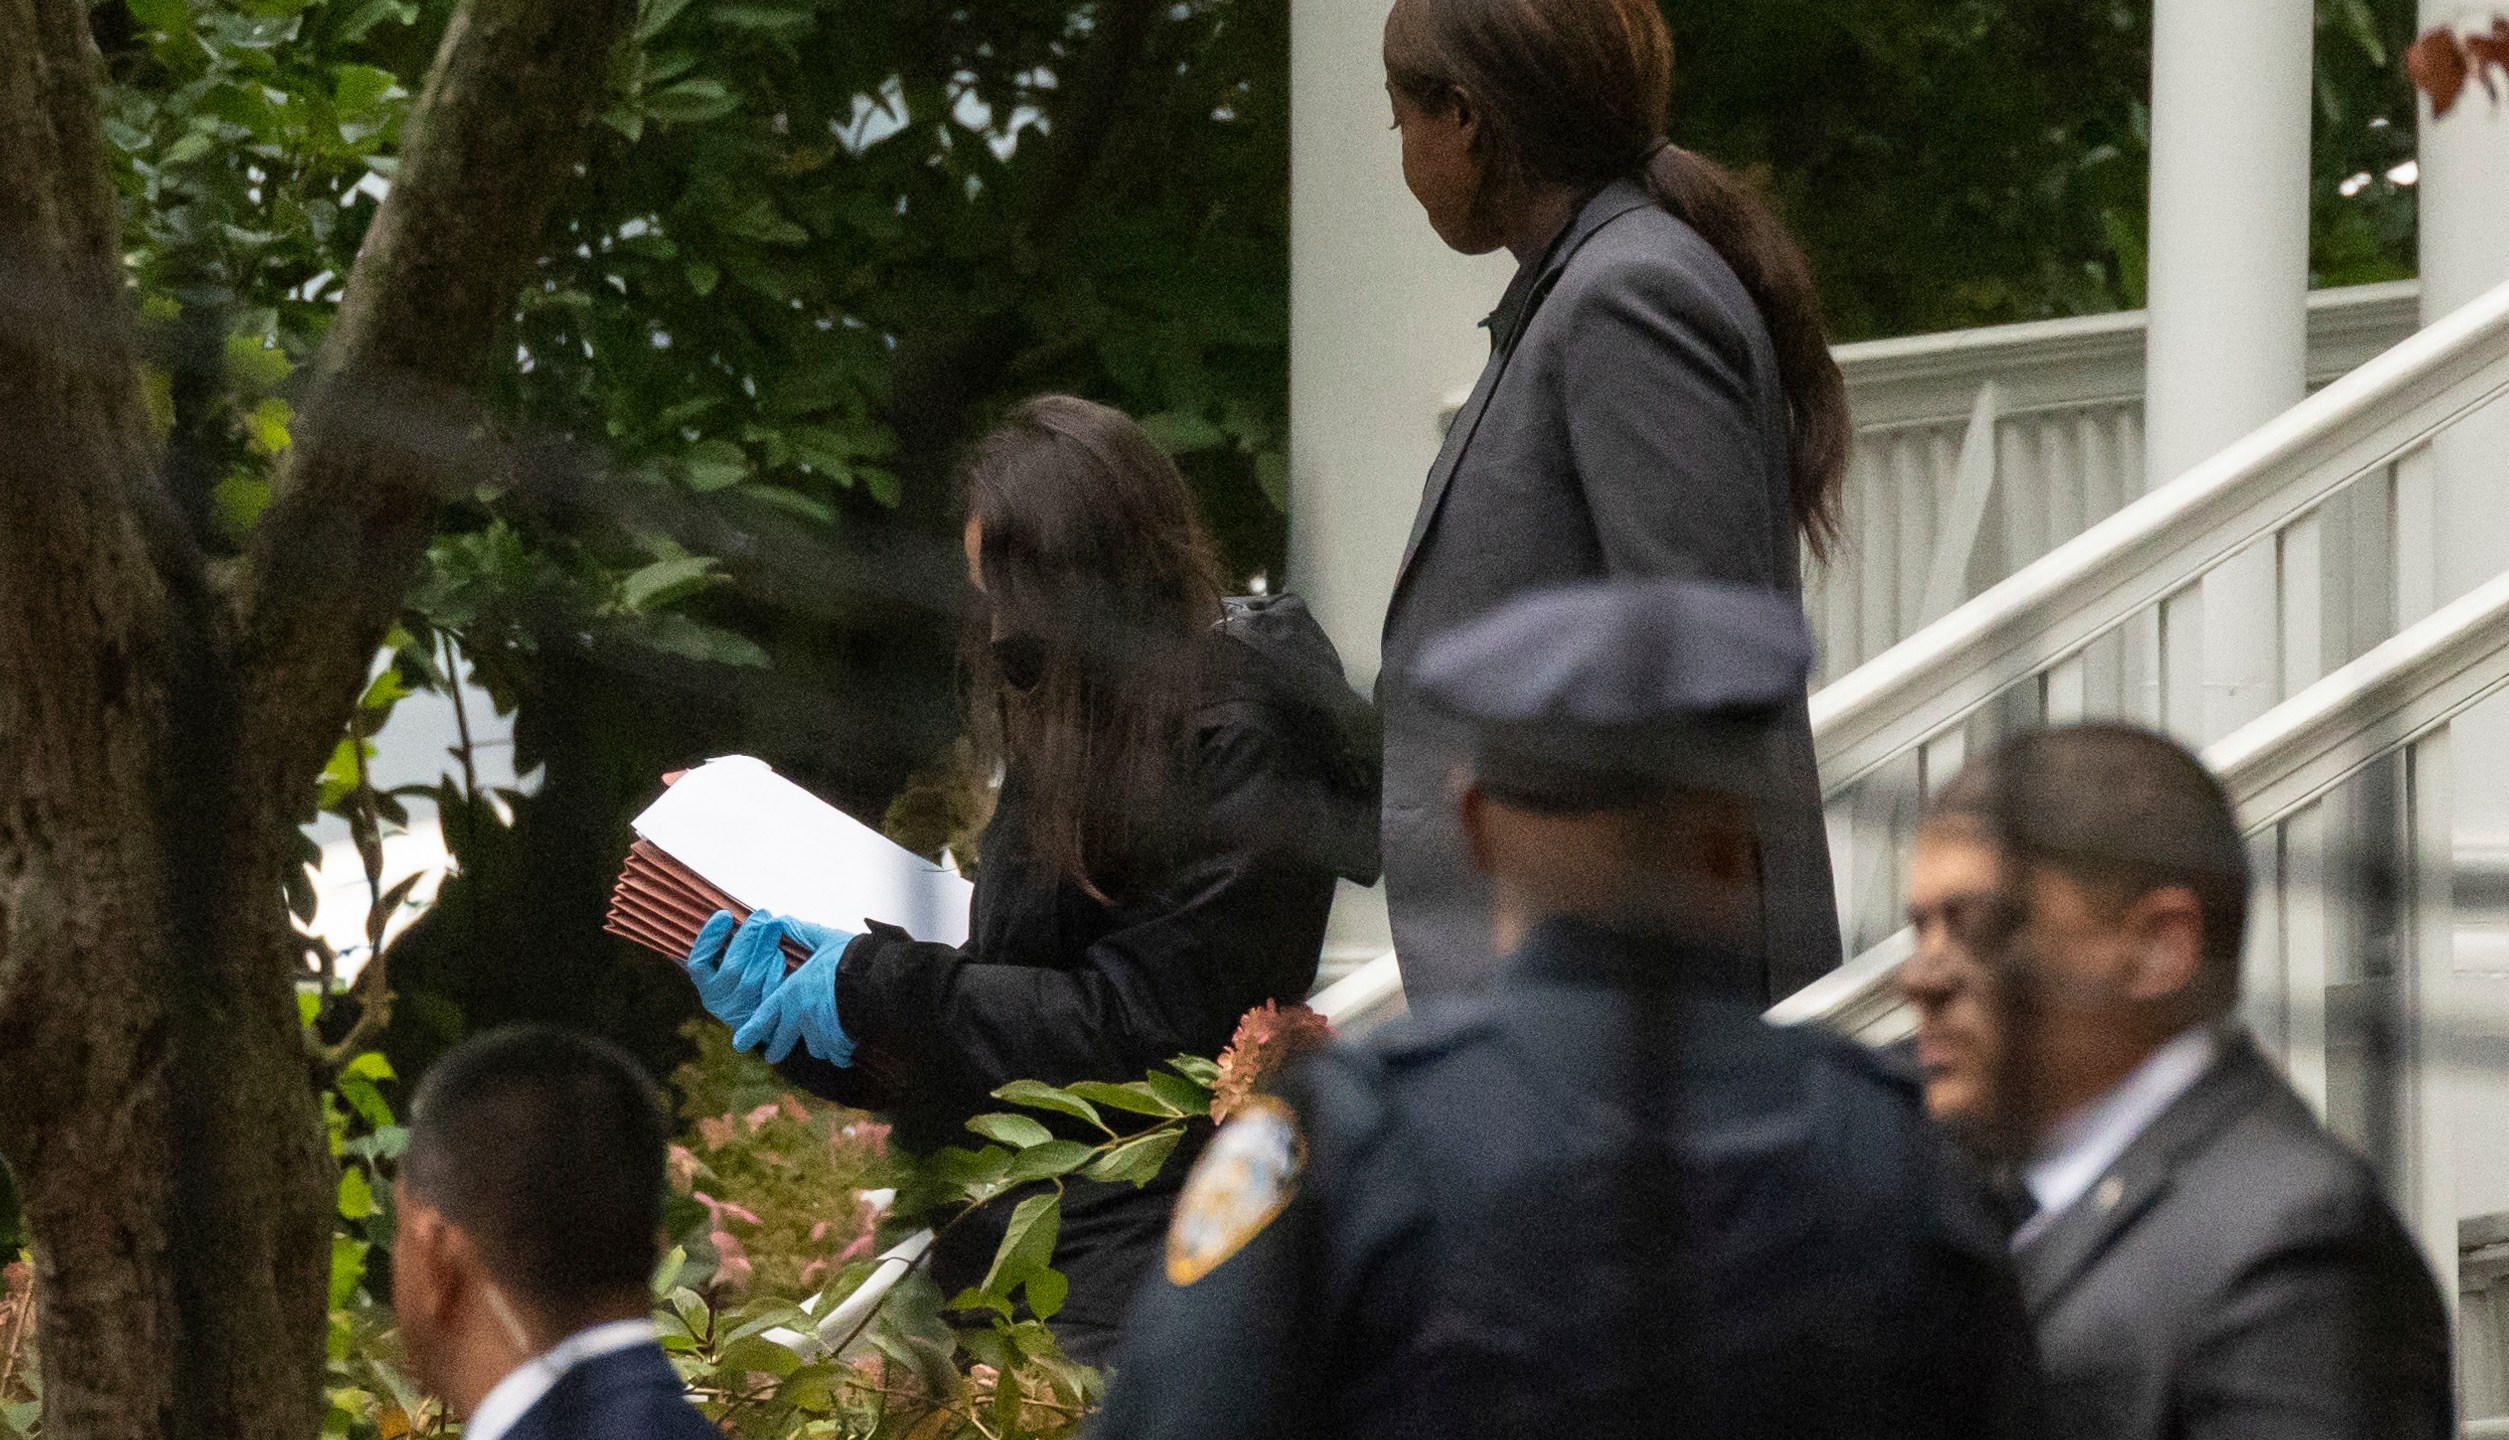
(734, 835)
(662, 904)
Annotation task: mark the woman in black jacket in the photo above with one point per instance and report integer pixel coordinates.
(1659, 401)
(1183, 778)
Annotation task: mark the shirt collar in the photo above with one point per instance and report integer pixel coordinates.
(531, 1381)
(1525, 292)
(2083, 1145)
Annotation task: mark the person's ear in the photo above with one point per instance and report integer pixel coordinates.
(2165, 945)
(1472, 808)
(1464, 113)
(423, 1284)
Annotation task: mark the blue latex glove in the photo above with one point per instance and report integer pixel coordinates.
(737, 965)
(802, 1010)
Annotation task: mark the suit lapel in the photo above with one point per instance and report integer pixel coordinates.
(1614, 201)
(2066, 1250)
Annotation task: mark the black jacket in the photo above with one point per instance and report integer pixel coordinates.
(2237, 1273)
(1630, 424)
(630, 1394)
(1584, 1206)
(1055, 985)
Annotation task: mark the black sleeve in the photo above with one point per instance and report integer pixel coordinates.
(1235, 1355)
(1241, 920)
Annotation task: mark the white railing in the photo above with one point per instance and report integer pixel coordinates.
(2106, 623)
(1978, 451)
(2349, 978)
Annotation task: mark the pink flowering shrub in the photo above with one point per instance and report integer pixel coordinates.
(1267, 1039)
(779, 1178)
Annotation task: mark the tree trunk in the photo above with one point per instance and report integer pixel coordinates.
(161, 726)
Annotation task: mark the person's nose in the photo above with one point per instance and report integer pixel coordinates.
(1931, 975)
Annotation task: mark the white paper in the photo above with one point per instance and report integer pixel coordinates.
(774, 846)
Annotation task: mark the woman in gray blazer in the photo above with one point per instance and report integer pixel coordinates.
(1659, 400)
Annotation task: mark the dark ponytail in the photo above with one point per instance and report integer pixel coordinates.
(1730, 215)
(1574, 93)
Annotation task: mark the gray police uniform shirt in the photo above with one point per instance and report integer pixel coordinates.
(1630, 424)
(1587, 1205)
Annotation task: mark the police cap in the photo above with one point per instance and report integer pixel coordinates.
(1601, 696)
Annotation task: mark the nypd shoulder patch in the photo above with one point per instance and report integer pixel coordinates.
(1239, 1186)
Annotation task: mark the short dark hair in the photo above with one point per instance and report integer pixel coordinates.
(547, 1147)
(2118, 808)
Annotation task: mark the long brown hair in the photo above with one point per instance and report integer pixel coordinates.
(1100, 580)
(1575, 93)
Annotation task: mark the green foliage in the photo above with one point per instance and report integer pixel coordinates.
(1972, 162)
(780, 1235)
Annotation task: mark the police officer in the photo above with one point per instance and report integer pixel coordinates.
(1603, 1199)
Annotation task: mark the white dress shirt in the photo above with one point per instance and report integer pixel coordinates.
(514, 1395)
(2081, 1147)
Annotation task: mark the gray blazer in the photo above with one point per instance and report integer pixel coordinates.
(1630, 423)
(2237, 1273)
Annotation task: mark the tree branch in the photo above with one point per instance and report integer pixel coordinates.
(391, 423)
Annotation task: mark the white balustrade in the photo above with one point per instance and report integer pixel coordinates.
(1979, 451)
(2109, 622)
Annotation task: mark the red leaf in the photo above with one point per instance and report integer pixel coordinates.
(2489, 53)
(2437, 63)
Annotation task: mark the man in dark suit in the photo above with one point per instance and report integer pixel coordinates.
(2200, 1258)
(1605, 1199)
(529, 1212)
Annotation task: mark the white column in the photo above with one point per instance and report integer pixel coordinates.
(2465, 252)
(2231, 92)
(1382, 331)
(2464, 191)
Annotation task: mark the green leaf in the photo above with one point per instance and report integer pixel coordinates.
(1027, 1243)
(191, 146)
(357, 1198)
(758, 1355)
(712, 465)
(1188, 1097)
(1140, 1158)
(1205, 1073)
(1046, 1290)
(830, 452)
(655, 16)
(308, 1007)
(882, 484)
(267, 425)
(759, 220)
(1272, 478)
(1037, 1095)
(1017, 1131)
(1137, 1098)
(383, 692)
(170, 16)
(792, 500)
(370, 1065)
(237, 503)
(348, 1269)
(972, 1299)
(359, 88)
(256, 366)
(702, 278)
(1044, 1162)
(665, 582)
(673, 633)
(666, 1275)
(1181, 433)
(692, 102)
